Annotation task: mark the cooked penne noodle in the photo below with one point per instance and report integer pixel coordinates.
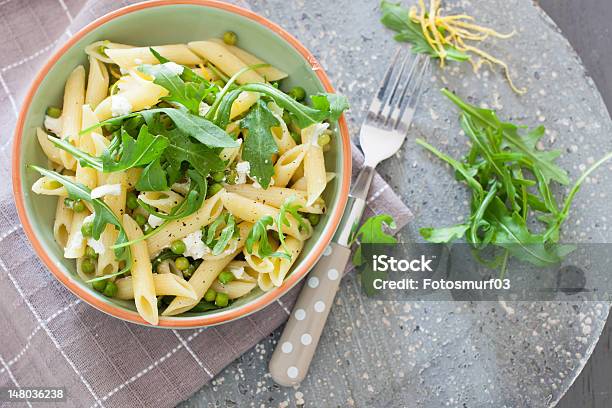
(314, 163)
(99, 49)
(265, 282)
(87, 175)
(164, 201)
(62, 223)
(48, 186)
(277, 196)
(282, 265)
(139, 94)
(286, 165)
(74, 96)
(300, 184)
(97, 82)
(142, 275)
(204, 276)
(165, 285)
(52, 152)
(75, 247)
(223, 59)
(128, 58)
(243, 103)
(178, 229)
(251, 211)
(281, 133)
(107, 264)
(117, 202)
(234, 289)
(260, 265)
(270, 73)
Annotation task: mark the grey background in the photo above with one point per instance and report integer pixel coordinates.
(357, 364)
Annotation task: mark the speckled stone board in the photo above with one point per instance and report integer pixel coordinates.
(394, 354)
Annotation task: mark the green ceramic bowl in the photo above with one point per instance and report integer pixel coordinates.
(169, 22)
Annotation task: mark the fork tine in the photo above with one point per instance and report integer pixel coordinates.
(397, 84)
(402, 84)
(407, 108)
(377, 103)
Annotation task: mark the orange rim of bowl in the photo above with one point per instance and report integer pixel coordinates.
(187, 321)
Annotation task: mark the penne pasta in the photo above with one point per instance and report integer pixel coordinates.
(165, 285)
(251, 211)
(164, 201)
(86, 175)
(270, 73)
(276, 196)
(178, 229)
(138, 93)
(142, 274)
(287, 165)
(281, 133)
(99, 49)
(260, 265)
(52, 152)
(62, 223)
(234, 289)
(48, 186)
(300, 184)
(281, 265)
(107, 264)
(75, 246)
(97, 83)
(223, 59)
(74, 96)
(128, 58)
(314, 163)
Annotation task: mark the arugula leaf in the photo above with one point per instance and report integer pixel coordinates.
(218, 245)
(259, 146)
(445, 234)
(304, 116)
(85, 159)
(372, 232)
(152, 178)
(259, 236)
(290, 206)
(188, 94)
(134, 153)
(397, 18)
(333, 104)
(103, 215)
(195, 126)
(192, 202)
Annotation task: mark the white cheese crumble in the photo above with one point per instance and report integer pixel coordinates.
(174, 67)
(97, 245)
(203, 108)
(194, 246)
(53, 124)
(74, 245)
(242, 169)
(106, 189)
(137, 61)
(120, 106)
(89, 218)
(154, 221)
(238, 272)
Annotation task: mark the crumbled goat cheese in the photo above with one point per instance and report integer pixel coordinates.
(194, 246)
(154, 221)
(120, 106)
(106, 189)
(203, 108)
(242, 169)
(97, 245)
(238, 272)
(174, 67)
(53, 124)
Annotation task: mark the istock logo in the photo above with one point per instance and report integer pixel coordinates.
(384, 263)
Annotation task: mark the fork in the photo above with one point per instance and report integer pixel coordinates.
(382, 134)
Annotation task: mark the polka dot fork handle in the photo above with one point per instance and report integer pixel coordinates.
(296, 347)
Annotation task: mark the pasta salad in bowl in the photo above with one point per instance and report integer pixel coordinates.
(185, 182)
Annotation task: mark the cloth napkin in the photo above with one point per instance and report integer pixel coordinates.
(48, 337)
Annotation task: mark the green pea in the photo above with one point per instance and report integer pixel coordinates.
(88, 266)
(324, 139)
(111, 289)
(298, 93)
(221, 299)
(210, 98)
(296, 137)
(78, 206)
(140, 219)
(314, 219)
(218, 176)
(181, 263)
(99, 285)
(177, 247)
(54, 112)
(230, 38)
(226, 277)
(51, 184)
(210, 295)
(90, 253)
(87, 229)
(131, 201)
(214, 189)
